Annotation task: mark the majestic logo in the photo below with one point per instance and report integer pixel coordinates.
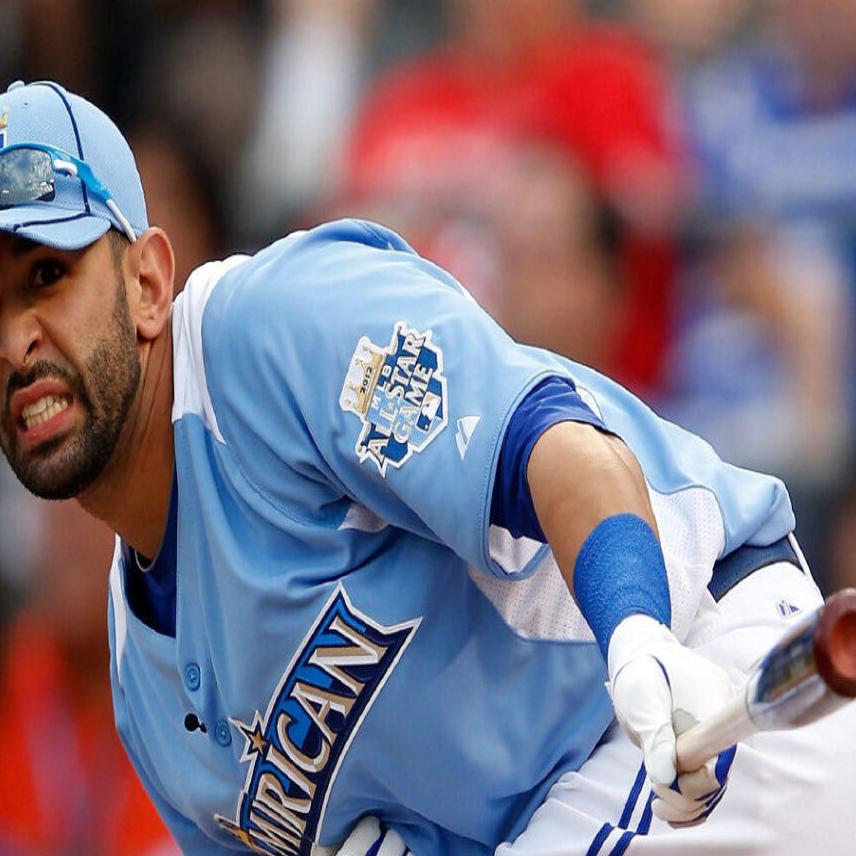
(787, 609)
(399, 394)
(466, 428)
(296, 748)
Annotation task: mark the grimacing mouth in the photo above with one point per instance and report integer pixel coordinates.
(44, 409)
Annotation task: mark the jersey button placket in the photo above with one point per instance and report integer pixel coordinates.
(192, 677)
(222, 732)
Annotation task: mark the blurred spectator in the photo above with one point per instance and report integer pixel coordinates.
(556, 254)
(181, 197)
(435, 132)
(840, 552)
(11, 42)
(314, 64)
(761, 364)
(66, 786)
(20, 525)
(761, 358)
(60, 41)
(689, 31)
(197, 71)
(771, 124)
(185, 68)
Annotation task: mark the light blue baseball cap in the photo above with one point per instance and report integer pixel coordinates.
(45, 114)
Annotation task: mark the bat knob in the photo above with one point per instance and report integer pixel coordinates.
(835, 643)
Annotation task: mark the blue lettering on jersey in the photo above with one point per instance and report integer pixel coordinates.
(399, 394)
(296, 748)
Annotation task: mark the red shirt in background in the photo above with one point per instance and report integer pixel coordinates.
(433, 132)
(66, 785)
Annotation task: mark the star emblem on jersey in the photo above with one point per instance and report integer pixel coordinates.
(399, 395)
(254, 736)
(296, 748)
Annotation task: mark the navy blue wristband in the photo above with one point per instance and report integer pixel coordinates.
(620, 572)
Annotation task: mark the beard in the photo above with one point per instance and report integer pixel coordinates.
(62, 467)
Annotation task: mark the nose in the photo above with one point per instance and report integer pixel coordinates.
(20, 337)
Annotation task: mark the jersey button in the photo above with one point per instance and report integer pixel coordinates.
(192, 676)
(222, 732)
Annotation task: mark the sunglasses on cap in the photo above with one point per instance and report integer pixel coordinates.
(28, 174)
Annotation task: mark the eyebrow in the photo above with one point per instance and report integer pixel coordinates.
(23, 246)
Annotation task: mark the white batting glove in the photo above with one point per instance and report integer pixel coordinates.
(370, 838)
(659, 689)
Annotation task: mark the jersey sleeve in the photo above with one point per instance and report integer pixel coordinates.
(341, 365)
(552, 401)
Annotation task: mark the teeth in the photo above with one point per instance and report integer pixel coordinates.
(45, 408)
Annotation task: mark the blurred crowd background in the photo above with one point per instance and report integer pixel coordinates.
(663, 189)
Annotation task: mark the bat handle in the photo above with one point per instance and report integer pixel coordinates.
(708, 738)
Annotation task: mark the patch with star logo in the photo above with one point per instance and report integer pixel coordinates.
(296, 747)
(4, 123)
(399, 395)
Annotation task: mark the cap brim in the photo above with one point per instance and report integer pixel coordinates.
(60, 229)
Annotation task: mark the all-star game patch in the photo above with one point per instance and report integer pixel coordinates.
(4, 123)
(399, 394)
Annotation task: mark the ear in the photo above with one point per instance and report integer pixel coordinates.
(150, 262)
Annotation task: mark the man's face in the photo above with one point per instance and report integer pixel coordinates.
(69, 365)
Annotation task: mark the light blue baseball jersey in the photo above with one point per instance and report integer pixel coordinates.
(350, 628)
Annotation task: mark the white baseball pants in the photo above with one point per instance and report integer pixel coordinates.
(789, 793)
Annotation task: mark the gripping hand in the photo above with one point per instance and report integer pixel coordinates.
(659, 689)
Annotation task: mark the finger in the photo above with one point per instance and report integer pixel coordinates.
(709, 778)
(676, 816)
(678, 810)
(643, 702)
(699, 783)
(659, 754)
(677, 800)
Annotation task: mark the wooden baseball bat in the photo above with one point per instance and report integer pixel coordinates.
(808, 674)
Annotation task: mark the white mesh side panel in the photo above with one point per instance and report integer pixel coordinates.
(363, 519)
(537, 607)
(190, 387)
(692, 535)
(510, 553)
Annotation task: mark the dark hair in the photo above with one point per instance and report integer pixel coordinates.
(118, 244)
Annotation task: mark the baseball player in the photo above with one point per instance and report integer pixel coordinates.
(351, 514)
